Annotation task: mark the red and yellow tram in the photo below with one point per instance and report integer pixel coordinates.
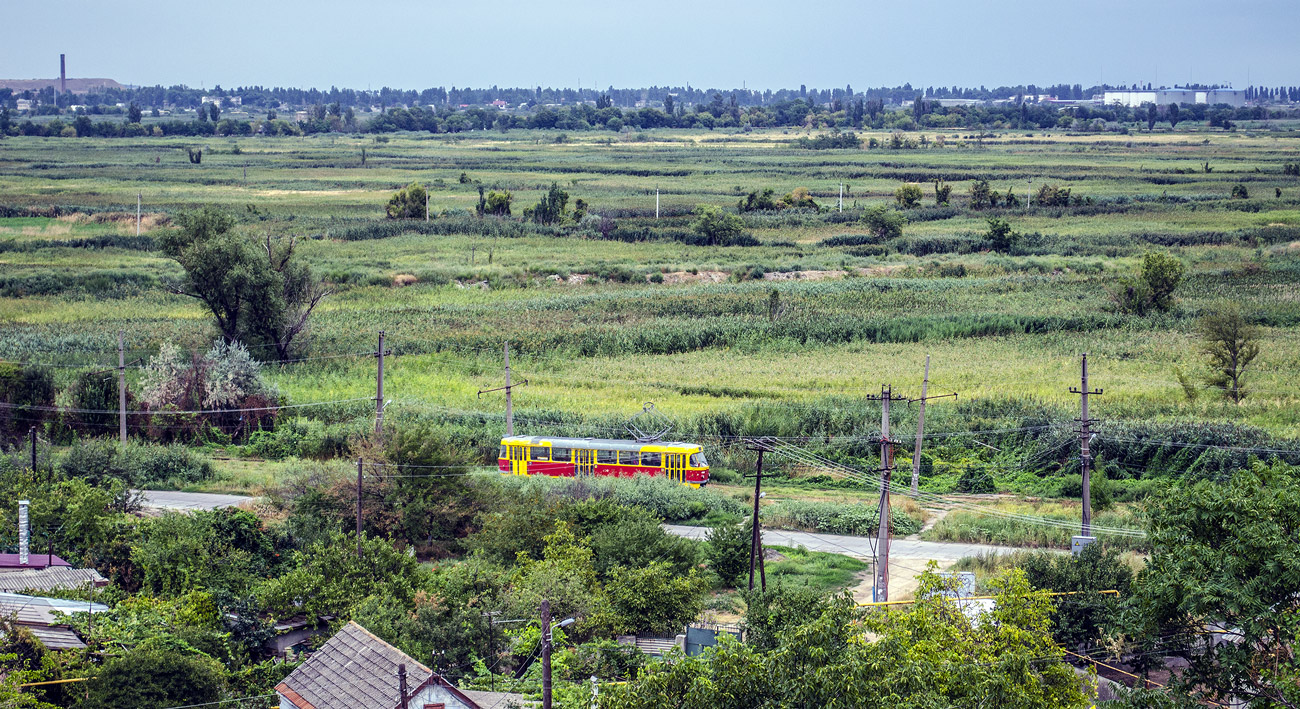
(574, 457)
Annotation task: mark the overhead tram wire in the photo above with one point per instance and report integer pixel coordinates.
(164, 412)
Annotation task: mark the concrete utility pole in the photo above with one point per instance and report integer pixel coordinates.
(139, 200)
(426, 206)
(379, 389)
(509, 390)
(920, 426)
(756, 529)
(546, 654)
(656, 201)
(886, 476)
(121, 386)
(359, 508)
(1085, 438)
(841, 196)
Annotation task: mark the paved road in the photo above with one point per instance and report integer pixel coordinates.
(859, 546)
(188, 501)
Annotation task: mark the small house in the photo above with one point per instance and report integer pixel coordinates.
(356, 669)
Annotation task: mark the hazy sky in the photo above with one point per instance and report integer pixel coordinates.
(765, 43)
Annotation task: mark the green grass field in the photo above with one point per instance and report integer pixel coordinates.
(596, 339)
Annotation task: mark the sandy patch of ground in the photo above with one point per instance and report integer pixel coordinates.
(677, 277)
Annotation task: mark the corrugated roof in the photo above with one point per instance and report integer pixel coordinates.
(54, 577)
(353, 669)
(56, 638)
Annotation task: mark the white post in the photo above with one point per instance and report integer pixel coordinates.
(138, 199)
(426, 205)
(656, 202)
(841, 196)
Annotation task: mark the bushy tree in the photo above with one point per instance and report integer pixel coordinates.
(1219, 588)
(258, 292)
(942, 193)
(1052, 196)
(982, 196)
(908, 196)
(884, 222)
(1080, 621)
(1000, 236)
(150, 679)
(225, 378)
(927, 654)
(1239, 191)
(759, 201)
(498, 203)
(654, 599)
(24, 390)
(327, 578)
(1230, 344)
(408, 202)
(550, 209)
(728, 551)
(717, 226)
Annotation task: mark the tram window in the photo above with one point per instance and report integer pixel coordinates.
(503, 452)
(606, 457)
(540, 453)
(698, 461)
(628, 458)
(650, 459)
(562, 455)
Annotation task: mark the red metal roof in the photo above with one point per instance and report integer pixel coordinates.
(34, 561)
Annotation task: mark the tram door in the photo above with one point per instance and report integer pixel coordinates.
(519, 460)
(584, 462)
(674, 466)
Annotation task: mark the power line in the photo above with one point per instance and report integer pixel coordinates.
(164, 412)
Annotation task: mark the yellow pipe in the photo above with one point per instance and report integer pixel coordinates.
(56, 681)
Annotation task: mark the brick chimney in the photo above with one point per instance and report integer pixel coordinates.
(63, 74)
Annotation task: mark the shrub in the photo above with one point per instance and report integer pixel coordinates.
(975, 481)
(138, 464)
(408, 203)
(884, 222)
(908, 196)
(728, 551)
(835, 518)
(716, 225)
(1053, 196)
(1239, 191)
(999, 236)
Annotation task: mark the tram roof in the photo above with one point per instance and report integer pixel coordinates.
(601, 443)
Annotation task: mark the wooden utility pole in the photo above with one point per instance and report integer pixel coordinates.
(121, 386)
(1085, 438)
(509, 390)
(920, 426)
(756, 529)
(546, 654)
(31, 433)
(359, 508)
(401, 686)
(886, 475)
(379, 389)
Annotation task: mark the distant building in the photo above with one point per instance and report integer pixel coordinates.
(224, 100)
(1164, 97)
(25, 104)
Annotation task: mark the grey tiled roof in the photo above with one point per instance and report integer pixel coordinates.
(354, 670)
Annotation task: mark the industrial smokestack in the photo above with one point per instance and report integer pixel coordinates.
(63, 74)
(23, 536)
